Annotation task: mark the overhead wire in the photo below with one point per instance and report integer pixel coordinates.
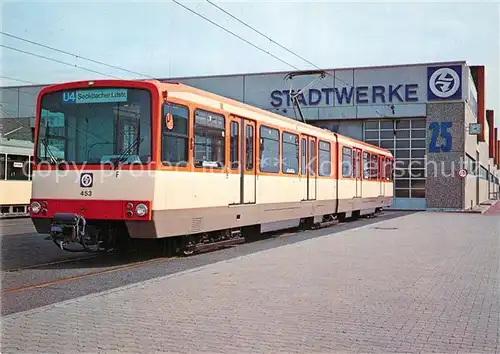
(58, 61)
(273, 41)
(74, 54)
(235, 35)
(14, 79)
(148, 76)
(262, 34)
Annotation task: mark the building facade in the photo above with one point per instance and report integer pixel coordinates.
(431, 116)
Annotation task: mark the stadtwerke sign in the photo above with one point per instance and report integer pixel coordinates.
(442, 83)
(376, 94)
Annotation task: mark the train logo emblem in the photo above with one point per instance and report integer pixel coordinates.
(86, 180)
(444, 83)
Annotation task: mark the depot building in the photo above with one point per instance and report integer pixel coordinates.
(432, 117)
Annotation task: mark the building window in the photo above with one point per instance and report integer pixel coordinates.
(406, 139)
(269, 149)
(234, 148)
(290, 163)
(209, 139)
(346, 162)
(324, 159)
(470, 165)
(175, 135)
(484, 173)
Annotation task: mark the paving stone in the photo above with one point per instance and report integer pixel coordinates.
(429, 285)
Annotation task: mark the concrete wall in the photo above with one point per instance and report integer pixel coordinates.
(444, 189)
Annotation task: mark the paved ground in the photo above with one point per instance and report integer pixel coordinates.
(422, 282)
(494, 209)
(22, 245)
(49, 275)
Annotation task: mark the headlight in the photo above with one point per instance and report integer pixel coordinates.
(141, 209)
(35, 207)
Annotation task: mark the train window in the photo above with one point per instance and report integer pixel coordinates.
(346, 162)
(234, 155)
(249, 148)
(290, 163)
(17, 167)
(388, 169)
(209, 139)
(2, 167)
(175, 136)
(357, 164)
(303, 155)
(269, 149)
(312, 157)
(324, 159)
(366, 165)
(373, 167)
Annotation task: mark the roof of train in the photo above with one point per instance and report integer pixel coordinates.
(13, 146)
(240, 108)
(190, 93)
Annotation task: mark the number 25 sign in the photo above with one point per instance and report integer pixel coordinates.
(440, 130)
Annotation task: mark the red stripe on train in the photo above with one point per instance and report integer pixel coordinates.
(92, 209)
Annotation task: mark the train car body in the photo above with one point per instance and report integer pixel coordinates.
(15, 177)
(167, 161)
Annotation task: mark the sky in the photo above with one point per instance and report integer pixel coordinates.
(162, 39)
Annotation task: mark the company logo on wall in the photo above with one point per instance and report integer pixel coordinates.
(444, 83)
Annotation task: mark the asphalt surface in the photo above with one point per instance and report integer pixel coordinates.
(33, 269)
(22, 246)
(425, 282)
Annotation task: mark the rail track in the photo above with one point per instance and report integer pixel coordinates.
(132, 260)
(80, 276)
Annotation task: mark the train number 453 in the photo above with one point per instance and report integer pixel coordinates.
(440, 130)
(86, 193)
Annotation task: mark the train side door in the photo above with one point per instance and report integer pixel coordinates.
(242, 160)
(380, 174)
(249, 170)
(304, 171)
(357, 172)
(234, 185)
(312, 168)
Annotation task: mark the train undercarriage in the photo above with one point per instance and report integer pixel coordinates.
(73, 233)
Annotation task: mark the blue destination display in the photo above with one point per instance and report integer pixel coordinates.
(331, 96)
(95, 96)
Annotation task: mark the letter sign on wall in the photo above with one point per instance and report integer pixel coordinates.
(440, 130)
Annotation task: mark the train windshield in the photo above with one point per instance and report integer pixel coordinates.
(95, 126)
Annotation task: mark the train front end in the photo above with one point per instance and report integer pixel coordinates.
(93, 173)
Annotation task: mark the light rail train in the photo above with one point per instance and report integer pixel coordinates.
(151, 160)
(15, 177)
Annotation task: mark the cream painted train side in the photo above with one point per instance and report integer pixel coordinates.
(196, 201)
(15, 177)
(318, 180)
